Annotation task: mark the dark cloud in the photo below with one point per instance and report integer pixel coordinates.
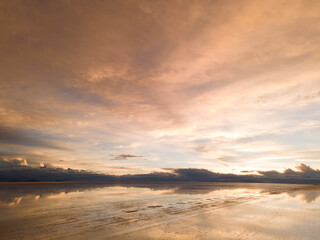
(124, 156)
(248, 171)
(16, 136)
(18, 170)
(305, 173)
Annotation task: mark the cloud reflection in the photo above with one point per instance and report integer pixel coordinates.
(12, 194)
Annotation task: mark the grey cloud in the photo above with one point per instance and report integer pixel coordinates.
(25, 137)
(18, 171)
(124, 157)
(248, 171)
(15, 171)
(304, 172)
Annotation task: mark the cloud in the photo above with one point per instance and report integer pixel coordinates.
(13, 163)
(304, 172)
(248, 171)
(125, 157)
(18, 170)
(24, 137)
(155, 76)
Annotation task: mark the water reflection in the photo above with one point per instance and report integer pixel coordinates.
(12, 194)
(307, 194)
(171, 210)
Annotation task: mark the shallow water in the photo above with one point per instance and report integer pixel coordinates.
(159, 211)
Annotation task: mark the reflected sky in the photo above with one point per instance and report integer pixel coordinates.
(124, 210)
(13, 193)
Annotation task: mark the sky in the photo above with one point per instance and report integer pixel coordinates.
(134, 86)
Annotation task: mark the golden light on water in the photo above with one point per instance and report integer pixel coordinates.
(159, 211)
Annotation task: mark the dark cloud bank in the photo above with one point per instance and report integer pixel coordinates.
(17, 170)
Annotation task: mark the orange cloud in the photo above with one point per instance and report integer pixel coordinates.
(157, 77)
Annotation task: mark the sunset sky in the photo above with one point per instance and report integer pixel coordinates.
(140, 86)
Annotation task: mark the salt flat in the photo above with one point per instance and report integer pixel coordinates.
(159, 211)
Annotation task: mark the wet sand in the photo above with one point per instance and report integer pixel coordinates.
(159, 211)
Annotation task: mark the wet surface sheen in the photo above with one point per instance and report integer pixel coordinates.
(159, 211)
